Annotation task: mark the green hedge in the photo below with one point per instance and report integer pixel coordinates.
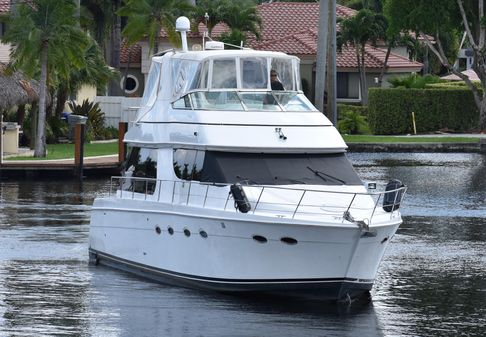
(390, 110)
(343, 108)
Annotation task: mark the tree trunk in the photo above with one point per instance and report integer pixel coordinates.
(385, 64)
(21, 115)
(364, 84)
(331, 108)
(321, 60)
(62, 95)
(115, 43)
(482, 114)
(40, 139)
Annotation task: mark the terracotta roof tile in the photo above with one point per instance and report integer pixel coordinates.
(4, 6)
(285, 18)
(135, 56)
(291, 28)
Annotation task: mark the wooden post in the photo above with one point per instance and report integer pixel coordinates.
(1, 138)
(482, 145)
(122, 147)
(79, 149)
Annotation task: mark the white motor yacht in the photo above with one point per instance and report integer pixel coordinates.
(235, 184)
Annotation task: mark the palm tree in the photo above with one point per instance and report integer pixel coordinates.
(242, 18)
(45, 34)
(148, 17)
(101, 20)
(93, 71)
(215, 11)
(356, 31)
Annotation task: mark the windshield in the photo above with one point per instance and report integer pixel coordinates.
(264, 168)
(245, 101)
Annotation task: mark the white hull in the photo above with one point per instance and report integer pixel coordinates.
(328, 261)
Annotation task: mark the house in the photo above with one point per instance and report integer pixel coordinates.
(4, 48)
(292, 28)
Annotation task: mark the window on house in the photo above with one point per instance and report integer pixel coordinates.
(2, 29)
(347, 85)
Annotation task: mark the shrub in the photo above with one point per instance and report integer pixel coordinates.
(390, 110)
(96, 118)
(55, 129)
(413, 81)
(351, 120)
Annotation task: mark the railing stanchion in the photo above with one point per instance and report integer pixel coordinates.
(173, 191)
(227, 199)
(206, 196)
(298, 205)
(189, 192)
(258, 201)
(160, 187)
(374, 208)
(121, 187)
(349, 206)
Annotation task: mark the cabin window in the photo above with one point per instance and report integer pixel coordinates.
(185, 76)
(152, 85)
(284, 69)
(140, 165)
(188, 164)
(224, 74)
(216, 100)
(183, 103)
(203, 78)
(254, 73)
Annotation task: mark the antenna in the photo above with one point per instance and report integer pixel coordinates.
(183, 25)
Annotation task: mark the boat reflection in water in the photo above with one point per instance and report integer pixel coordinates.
(233, 186)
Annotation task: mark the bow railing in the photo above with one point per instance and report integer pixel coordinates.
(275, 201)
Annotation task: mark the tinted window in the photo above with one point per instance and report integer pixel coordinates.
(141, 163)
(188, 164)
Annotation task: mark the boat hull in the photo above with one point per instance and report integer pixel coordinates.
(238, 252)
(321, 289)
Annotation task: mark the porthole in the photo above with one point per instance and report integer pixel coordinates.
(203, 234)
(170, 230)
(158, 230)
(187, 232)
(131, 84)
(289, 241)
(259, 238)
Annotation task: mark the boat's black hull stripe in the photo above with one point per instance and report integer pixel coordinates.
(102, 256)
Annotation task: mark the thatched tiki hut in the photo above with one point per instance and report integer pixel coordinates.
(16, 89)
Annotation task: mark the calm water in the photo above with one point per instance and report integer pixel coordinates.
(432, 281)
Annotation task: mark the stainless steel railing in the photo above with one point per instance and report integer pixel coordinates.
(276, 201)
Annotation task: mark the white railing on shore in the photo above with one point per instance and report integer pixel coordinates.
(275, 201)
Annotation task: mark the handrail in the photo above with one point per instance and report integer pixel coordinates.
(307, 203)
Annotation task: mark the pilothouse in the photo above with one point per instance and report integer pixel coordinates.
(234, 181)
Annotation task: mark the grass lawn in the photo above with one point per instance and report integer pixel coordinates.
(64, 151)
(407, 139)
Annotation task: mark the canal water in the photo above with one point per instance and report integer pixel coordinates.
(432, 281)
